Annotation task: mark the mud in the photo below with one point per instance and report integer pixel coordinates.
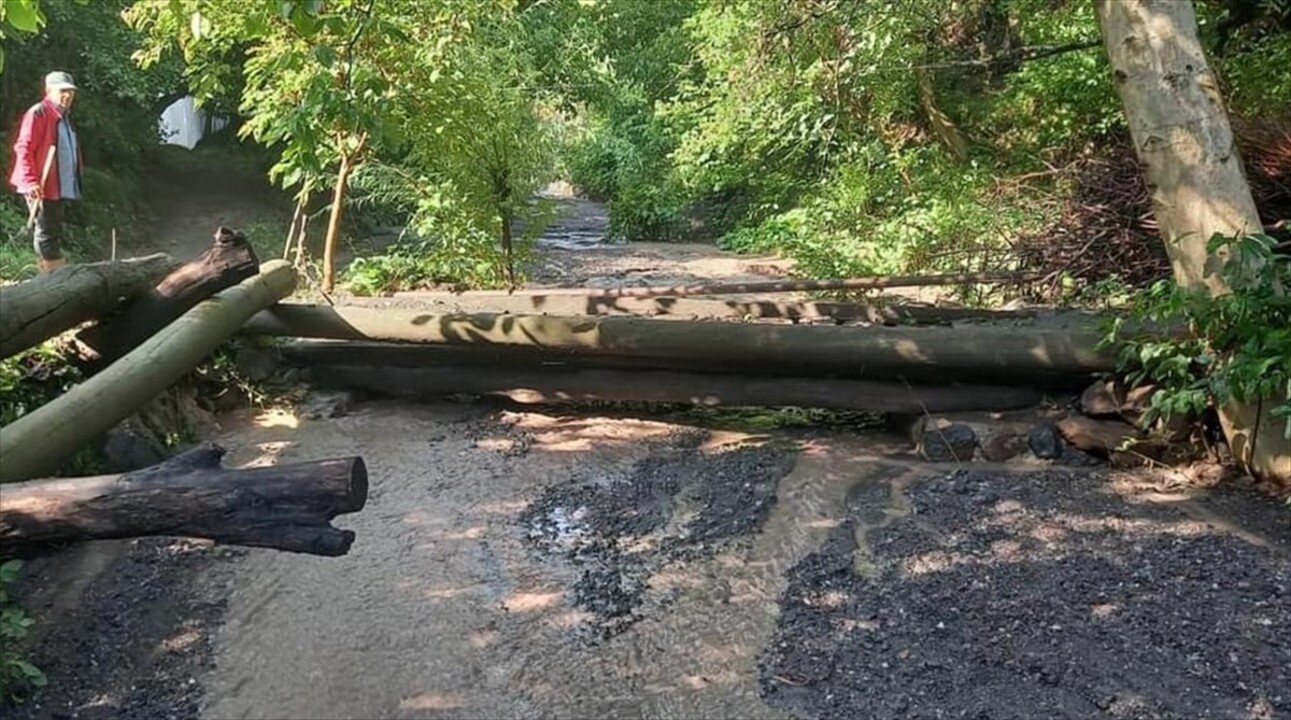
(1037, 595)
(124, 628)
(667, 508)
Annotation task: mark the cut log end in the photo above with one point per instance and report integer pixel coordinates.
(284, 507)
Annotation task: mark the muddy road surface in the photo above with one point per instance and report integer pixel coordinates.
(573, 564)
(533, 565)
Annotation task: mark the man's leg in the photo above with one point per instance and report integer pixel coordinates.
(47, 235)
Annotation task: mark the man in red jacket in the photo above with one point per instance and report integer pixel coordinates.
(47, 166)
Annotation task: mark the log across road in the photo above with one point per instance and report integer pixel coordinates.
(285, 507)
(41, 440)
(936, 354)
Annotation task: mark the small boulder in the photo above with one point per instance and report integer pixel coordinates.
(1096, 436)
(325, 405)
(1003, 446)
(1136, 403)
(950, 443)
(1045, 442)
(255, 364)
(1071, 457)
(1105, 397)
(129, 447)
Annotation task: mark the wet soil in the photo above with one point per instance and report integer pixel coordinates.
(559, 564)
(1041, 594)
(124, 628)
(666, 509)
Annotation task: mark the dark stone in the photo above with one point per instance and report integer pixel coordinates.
(322, 405)
(1003, 446)
(1045, 442)
(129, 448)
(255, 364)
(952, 443)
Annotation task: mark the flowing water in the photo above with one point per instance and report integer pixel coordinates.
(447, 607)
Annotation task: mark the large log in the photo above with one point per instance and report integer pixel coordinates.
(38, 309)
(308, 354)
(932, 353)
(285, 507)
(37, 442)
(575, 385)
(522, 303)
(780, 286)
(229, 261)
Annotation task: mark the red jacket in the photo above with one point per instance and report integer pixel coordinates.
(37, 134)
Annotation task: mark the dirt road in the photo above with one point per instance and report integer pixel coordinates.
(572, 564)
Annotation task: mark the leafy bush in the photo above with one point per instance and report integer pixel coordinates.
(1238, 346)
(33, 378)
(17, 676)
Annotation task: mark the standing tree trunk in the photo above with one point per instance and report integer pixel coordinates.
(1184, 141)
(348, 159)
(334, 225)
(508, 249)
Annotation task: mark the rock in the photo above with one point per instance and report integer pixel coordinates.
(129, 447)
(255, 364)
(322, 405)
(905, 425)
(1045, 442)
(1071, 457)
(1095, 435)
(1105, 397)
(231, 399)
(951, 443)
(1003, 446)
(1136, 403)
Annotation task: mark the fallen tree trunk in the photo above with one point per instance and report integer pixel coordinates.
(37, 442)
(918, 353)
(780, 286)
(697, 308)
(574, 385)
(226, 263)
(306, 354)
(285, 507)
(38, 309)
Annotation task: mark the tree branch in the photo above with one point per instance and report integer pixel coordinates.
(1024, 54)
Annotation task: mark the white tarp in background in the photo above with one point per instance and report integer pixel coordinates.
(183, 123)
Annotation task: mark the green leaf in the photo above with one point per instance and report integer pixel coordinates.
(33, 674)
(305, 23)
(325, 55)
(24, 15)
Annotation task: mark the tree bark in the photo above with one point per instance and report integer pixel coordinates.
(576, 385)
(38, 309)
(1185, 143)
(780, 286)
(285, 507)
(338, 209)
(535, 302)
(37, 442)
(970, 353)
(226, 263)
